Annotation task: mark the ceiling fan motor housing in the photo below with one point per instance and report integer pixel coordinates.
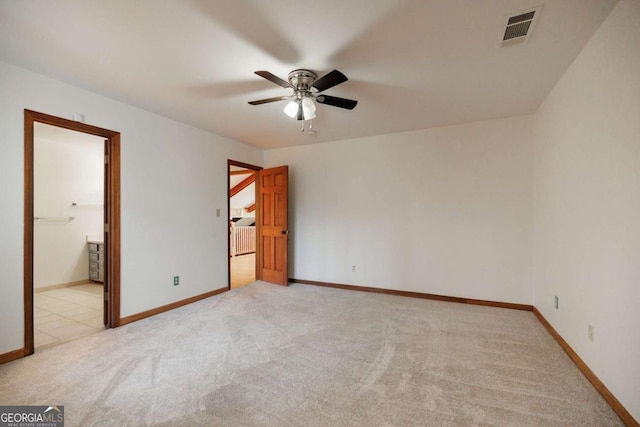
(301, 80)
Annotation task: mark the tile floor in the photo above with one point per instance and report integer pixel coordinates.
(65, 314)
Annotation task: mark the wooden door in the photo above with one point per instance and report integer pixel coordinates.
(273, 231)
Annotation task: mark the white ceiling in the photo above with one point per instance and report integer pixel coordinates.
(247, 196)
(244, 198)
(236, 179)
(412, 64)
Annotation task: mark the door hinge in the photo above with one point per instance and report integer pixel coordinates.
(106, 296)
(106, 159)
(106, 228)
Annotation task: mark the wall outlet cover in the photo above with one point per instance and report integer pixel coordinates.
(555, 301)
(176, 280)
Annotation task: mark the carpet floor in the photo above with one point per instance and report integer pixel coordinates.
(265, 355)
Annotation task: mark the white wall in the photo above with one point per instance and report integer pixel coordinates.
(444, 211)
(587, 204)
(68, 168)
(174, 177)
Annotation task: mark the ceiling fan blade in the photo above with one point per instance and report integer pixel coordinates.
(335, 101)
(274, 79)
(329, 80)
(266, 100)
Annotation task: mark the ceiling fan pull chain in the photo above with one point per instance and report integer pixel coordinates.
(302, 128)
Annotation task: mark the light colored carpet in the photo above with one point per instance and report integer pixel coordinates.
(310, 356)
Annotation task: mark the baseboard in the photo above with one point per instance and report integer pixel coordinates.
(162, 309)
(12, 355)
(61, 285)
(615, 404)
(421, 295)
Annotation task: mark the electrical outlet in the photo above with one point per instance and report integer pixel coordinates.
(590, 333)
(176, 280)
(555, 301)
(353, 268)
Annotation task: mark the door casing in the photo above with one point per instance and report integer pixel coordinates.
(112, 218)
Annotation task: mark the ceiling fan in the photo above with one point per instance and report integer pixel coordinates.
(306, 89)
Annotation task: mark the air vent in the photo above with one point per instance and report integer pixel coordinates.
(519, 27)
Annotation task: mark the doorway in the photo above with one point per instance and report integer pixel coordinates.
(68, 274)
(242, 209)
(71, 230)
(270, 204)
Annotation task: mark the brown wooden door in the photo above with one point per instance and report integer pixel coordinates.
(273, 231)
(105, 240)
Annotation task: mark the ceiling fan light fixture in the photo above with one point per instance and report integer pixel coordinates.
(308, 108)
(291, 109)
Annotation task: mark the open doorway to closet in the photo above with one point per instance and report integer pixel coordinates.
(71, 230)
(242, 224)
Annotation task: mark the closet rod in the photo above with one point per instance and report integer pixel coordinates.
(52, 218)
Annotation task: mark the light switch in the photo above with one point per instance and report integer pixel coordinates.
(217, 212)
